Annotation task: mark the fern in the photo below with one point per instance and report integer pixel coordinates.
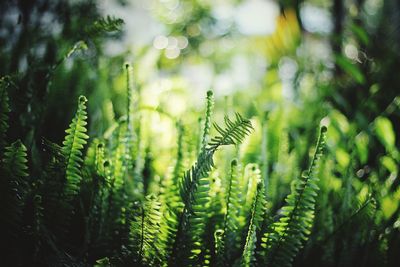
(231, 227)
(72, 149)
(232, 134)
(13, 184)
(100, 159)
(194, 189)
(144, 230)
(256, 218)
(219, 248)
(170, 202)
(252, 176)
(15, 160)
(120, 157)
(109, 24)
(285, 237)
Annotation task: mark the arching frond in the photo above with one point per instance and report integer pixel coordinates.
(285, 237)
(233, 133)
(195, 186)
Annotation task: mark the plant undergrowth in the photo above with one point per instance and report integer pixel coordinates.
(296, 183)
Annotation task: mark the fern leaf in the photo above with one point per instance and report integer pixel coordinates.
(72, 148)
(15, 160)
(232, 134)
(109, 24)
(120, 157)
(231, 228)
(145, 229)
(285, 237)
(170, 202)
(13, 183)
(219, 248)
(100, 159)
(256, 218)
(252, 176)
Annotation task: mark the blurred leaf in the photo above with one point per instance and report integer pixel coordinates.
(342, 157)
(389, 206)
(108, 24)
(389, 164)
(385, 133)
(350, 68)
(360, 33)
(362, 142)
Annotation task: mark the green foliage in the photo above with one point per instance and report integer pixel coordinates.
(232, 225)
(256, 218)
(122, 197)
(13, 185)
(284, 238)
(144, 230)
(195, 186)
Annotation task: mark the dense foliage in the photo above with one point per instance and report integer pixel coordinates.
(104, 164)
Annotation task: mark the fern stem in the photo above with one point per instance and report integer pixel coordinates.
(207, 123)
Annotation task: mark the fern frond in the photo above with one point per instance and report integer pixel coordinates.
(133, 144)
(90, 156)
(198, 220)
(233, 133)
(252, 176)
(145, 228)
(72, 149)
(15, 160)
(231, 228)
(219, 247)
(256, 218)
(120, 157)
(109, 24)
(100, 159)
(178, 168)
(285, 237)
(195, 186)
(13, 183)
(170, 202)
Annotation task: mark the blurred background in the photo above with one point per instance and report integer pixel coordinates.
(336, 53)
